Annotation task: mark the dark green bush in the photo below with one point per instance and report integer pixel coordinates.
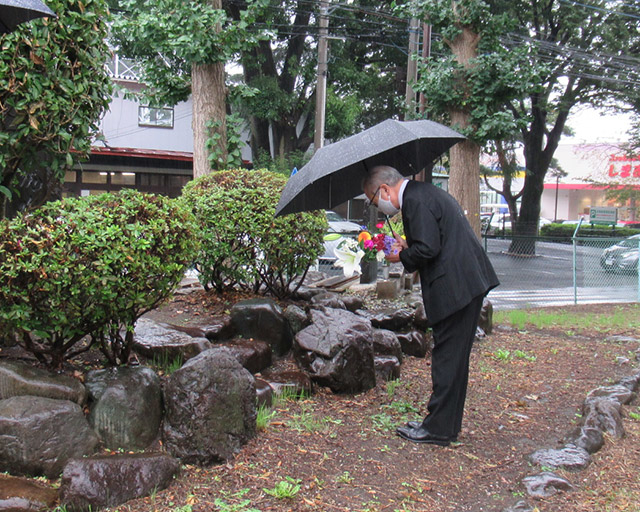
(242, 245)
(564, 232)
(90, 266)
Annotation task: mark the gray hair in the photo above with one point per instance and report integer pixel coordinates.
(379, 175)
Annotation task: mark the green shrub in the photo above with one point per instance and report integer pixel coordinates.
(90, 266)
(564, 232)
(242, 244)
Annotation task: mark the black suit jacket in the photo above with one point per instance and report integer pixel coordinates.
(454, 268)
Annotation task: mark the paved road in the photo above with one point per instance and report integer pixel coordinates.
(547, 279)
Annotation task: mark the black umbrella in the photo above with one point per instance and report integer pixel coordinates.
(14, 12)
(335, 172)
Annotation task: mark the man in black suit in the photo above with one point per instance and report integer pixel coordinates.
(455, 275)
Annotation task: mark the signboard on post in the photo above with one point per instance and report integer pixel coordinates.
(607, 215)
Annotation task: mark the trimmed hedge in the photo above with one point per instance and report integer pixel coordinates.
(564, 232)
(242, 245)
(90, 266)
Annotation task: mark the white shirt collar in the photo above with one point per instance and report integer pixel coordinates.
(401, 192)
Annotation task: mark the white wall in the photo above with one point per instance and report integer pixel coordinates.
(120, 128)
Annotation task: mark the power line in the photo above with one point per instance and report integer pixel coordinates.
(600, 9)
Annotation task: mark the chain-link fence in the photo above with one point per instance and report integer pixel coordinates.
(542, 271)
(545, 272)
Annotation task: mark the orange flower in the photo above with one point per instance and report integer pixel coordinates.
(364, 235)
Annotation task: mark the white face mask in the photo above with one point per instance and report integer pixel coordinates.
(386, 207)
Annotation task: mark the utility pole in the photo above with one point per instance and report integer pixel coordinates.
(412, 68)
(321, 83)
(426, 53)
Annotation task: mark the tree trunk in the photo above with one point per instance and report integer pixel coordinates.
(209, 104)
(464, 180)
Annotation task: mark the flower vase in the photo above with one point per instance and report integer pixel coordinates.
(369, 271)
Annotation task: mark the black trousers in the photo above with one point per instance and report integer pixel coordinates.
(453, 338)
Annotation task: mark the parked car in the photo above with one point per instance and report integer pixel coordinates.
(337, 224)
(628, 224)
(339, 228)
(622, 256)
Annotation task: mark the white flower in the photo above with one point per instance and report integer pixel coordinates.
(380, 256)
(348, 258)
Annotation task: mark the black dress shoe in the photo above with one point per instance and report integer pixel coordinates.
(421, 435)
(418, 424)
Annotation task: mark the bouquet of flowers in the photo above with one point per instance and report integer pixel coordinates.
(366, 247)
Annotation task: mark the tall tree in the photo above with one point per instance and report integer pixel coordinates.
(365, 55)
(573, 54)
(182, 47)
(466, 82)
(53, 90)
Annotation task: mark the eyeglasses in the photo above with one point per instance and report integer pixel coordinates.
(368, 201)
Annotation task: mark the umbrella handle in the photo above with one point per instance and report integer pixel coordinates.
(389, 224)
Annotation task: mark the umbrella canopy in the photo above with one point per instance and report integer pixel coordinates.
(335, 172)
(14, 12)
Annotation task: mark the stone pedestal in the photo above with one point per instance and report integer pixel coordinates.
(387, 289)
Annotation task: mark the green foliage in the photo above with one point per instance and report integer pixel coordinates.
(281, 164)
(493, 78)
(90, 266)
(243, 245)
(564, 232)
(234, 143)
(54, 88)
(166, 37)
(285, 489)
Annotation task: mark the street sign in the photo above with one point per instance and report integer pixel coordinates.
(606, 215)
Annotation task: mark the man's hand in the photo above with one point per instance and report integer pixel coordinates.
(394, 254)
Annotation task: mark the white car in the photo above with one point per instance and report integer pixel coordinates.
(339, 228)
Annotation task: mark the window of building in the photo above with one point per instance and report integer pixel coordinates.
(158, 117)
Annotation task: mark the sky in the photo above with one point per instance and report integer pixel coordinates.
(591, 125)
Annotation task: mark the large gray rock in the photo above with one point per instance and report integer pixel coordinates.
(631, 382)
(210, 408)
(387, 368)
(126, 408)
(160, 341)
(17, 379)
(292, 382)
(109, 480)
(297, 318)
(254, 355)
(218, 328)
(391, 319)
(604, 414)
(545, 484)
(337, 351)
(328, 300)
(263, 319)
(568, 457)
(353, 302)
(415, 343)
(485, 322)
(420, 320)
(40, 434)
(588, 438)
(386, 343)
(618, 392)
(25, 495)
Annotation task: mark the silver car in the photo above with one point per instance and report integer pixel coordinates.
(622, 256)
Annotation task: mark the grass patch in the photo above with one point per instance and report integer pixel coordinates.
(164, 365)
(618, 317)
(285, 489)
